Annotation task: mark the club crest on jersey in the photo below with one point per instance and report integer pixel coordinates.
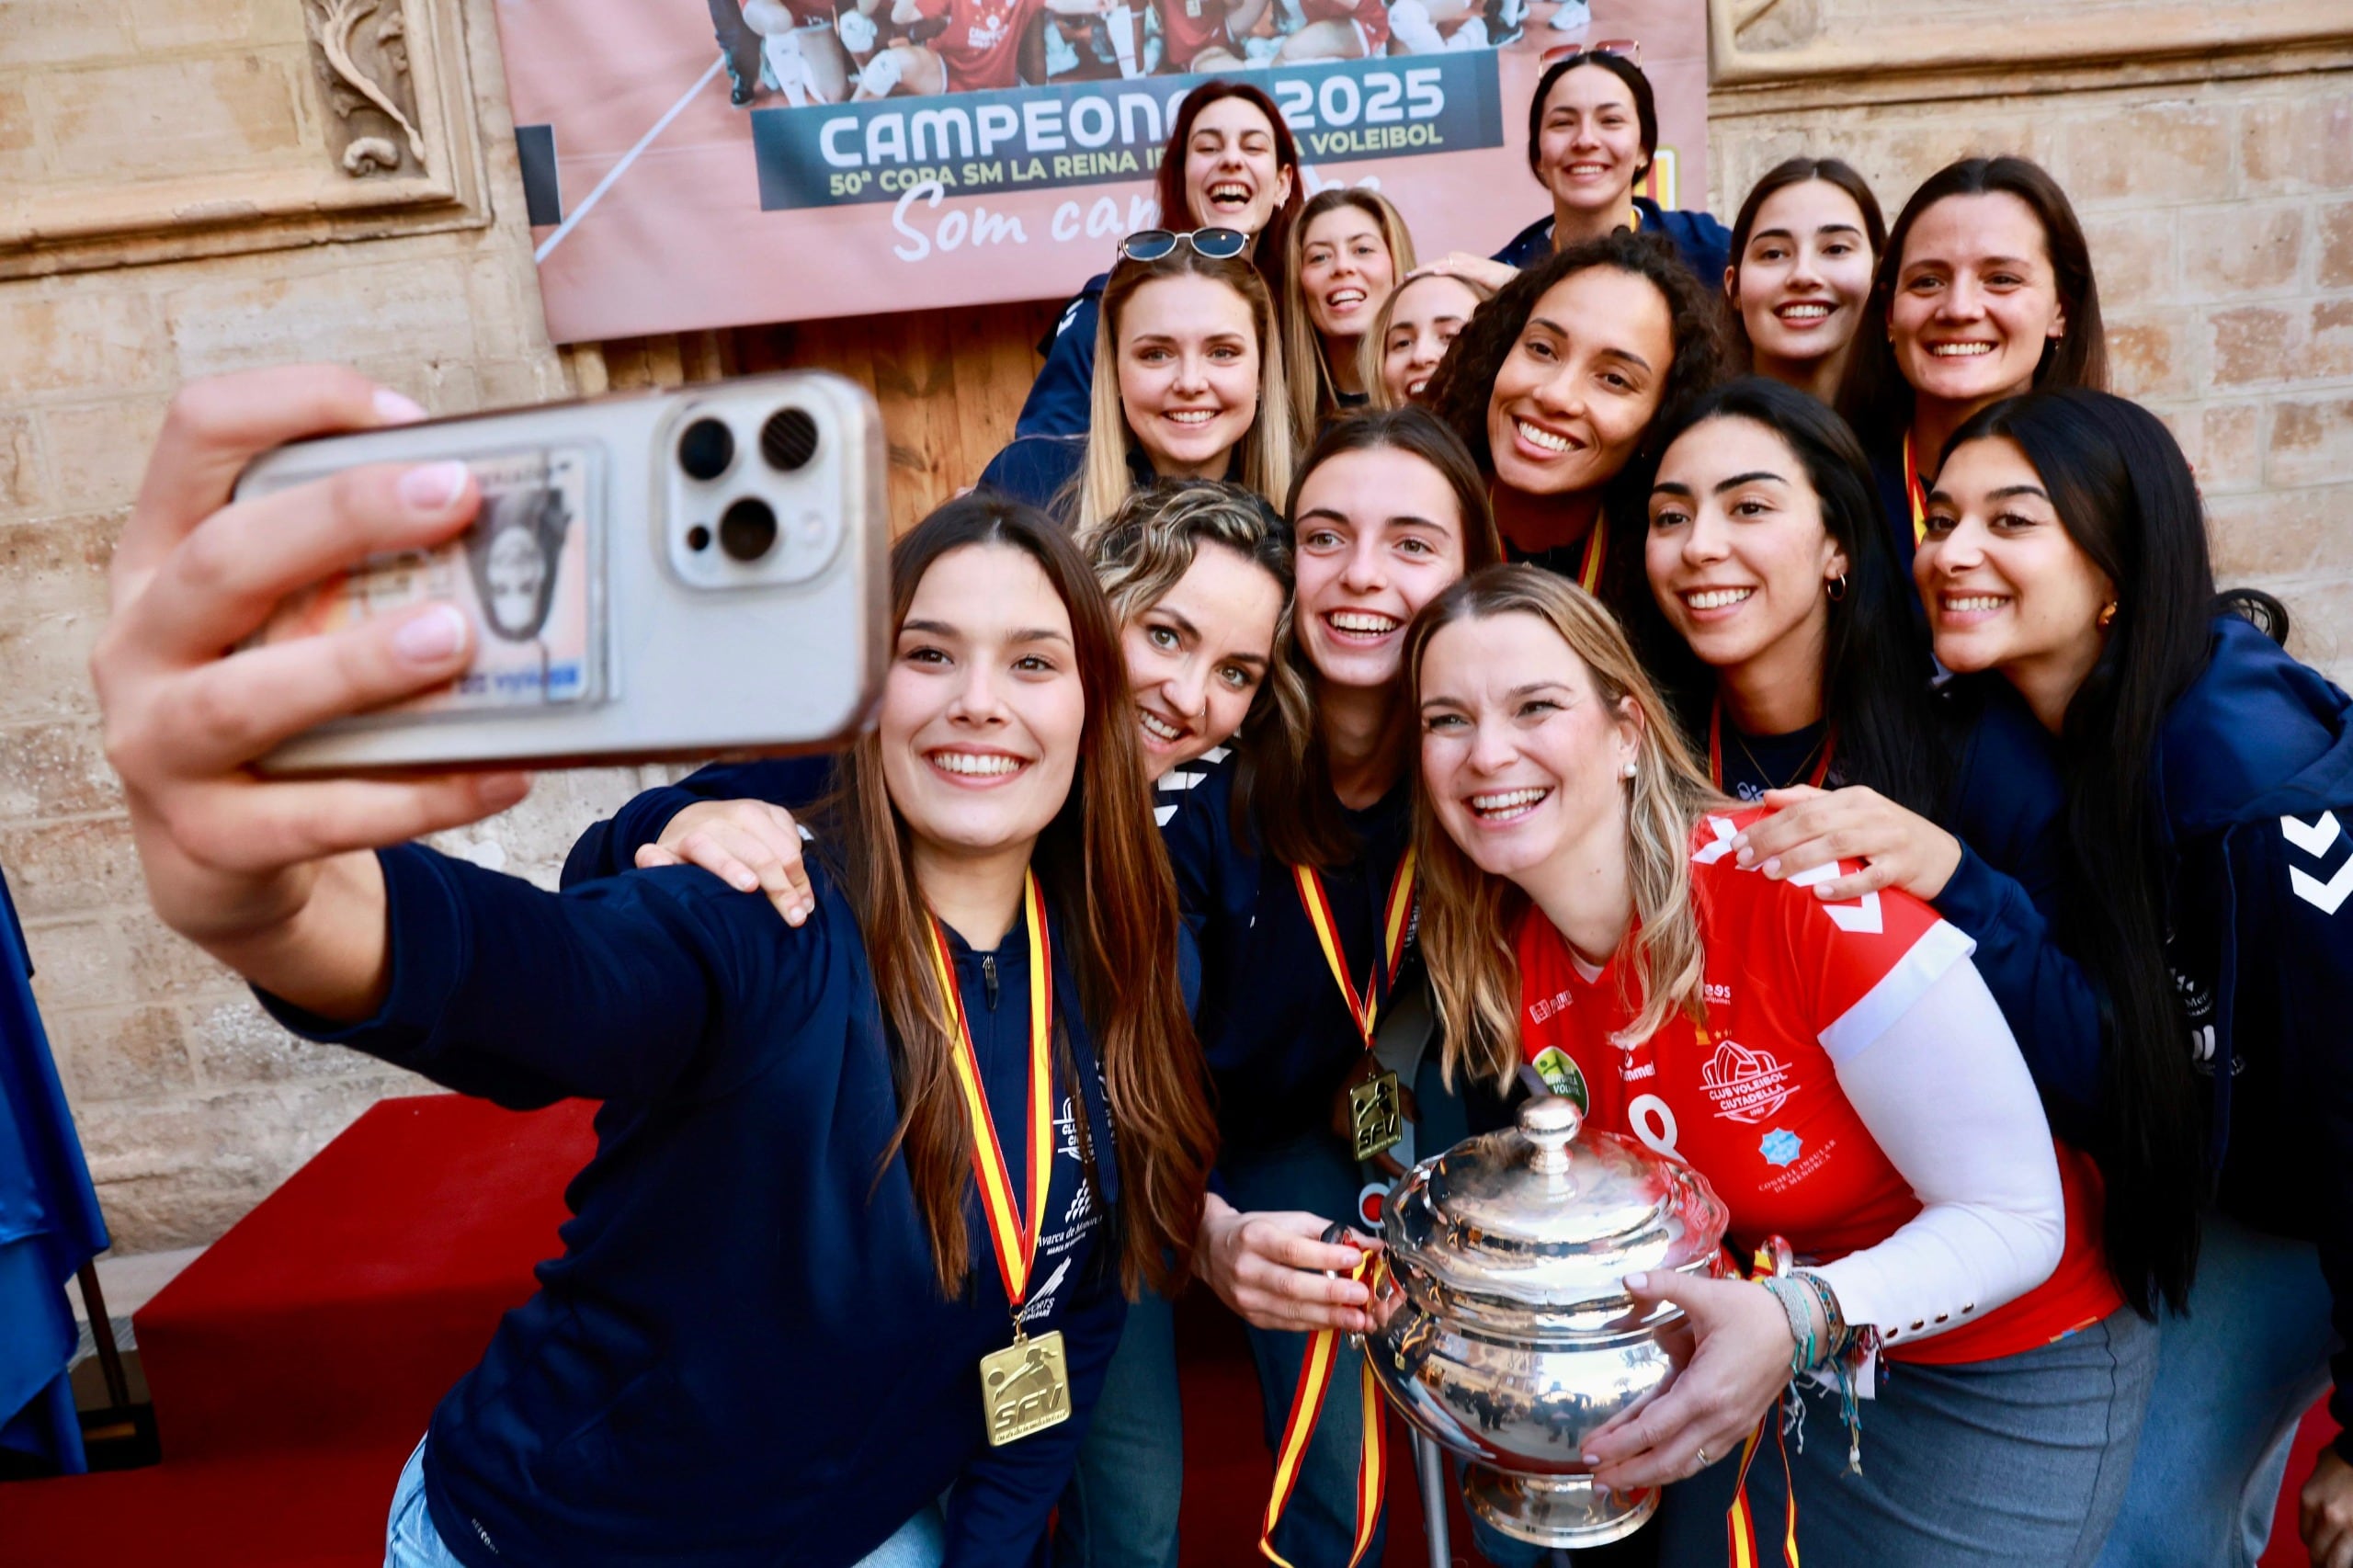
(1744, 1084)
(1562, 1076)
(1780, 1146)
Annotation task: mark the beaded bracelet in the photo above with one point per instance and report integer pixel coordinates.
(1835, 1334)
(1794, 1298)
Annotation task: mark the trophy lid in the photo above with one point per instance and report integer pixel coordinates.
(1548, 1219)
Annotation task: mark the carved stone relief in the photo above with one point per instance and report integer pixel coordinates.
(359, 50)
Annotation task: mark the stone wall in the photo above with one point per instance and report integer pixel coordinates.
(177, 197)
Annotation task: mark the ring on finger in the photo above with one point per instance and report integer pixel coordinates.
(1700, 1460)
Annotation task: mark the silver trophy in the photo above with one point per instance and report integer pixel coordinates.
(1505, 1331)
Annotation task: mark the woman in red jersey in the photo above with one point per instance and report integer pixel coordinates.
(1838, 1071)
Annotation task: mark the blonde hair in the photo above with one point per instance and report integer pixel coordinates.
(1372, 350)
(1104, 480)
(1314, 397)
(1469, 919)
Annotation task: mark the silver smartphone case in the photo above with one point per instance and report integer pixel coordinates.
(652, 639)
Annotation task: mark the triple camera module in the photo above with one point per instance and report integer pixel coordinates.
(746, 505)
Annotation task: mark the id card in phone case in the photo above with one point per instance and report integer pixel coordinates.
(525, 574)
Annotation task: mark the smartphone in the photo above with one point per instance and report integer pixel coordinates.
(657, 575)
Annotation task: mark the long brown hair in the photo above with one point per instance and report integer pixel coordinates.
(1469, 917)
(1873, 394)
(1103, 872)
(1282, 790)
(1168, 185)
(1779, 178)
(1313, 393)
(1265, 448)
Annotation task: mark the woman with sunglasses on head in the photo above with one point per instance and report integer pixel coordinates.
(1838, 1071)
(1291, 867)
(1348, 250)
(1984, 289)
(1188, 384)
(1799, 280)
(1417, 324)
(2207, 777)
(781, 1214)
(1592, 134)
(1229, 162)
(1199, 576)
(1555, 386)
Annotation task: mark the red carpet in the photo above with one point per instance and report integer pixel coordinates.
(295, 1363)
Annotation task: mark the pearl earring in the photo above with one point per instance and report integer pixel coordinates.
(1628, 771)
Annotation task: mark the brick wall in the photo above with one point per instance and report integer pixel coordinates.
(2219, 203)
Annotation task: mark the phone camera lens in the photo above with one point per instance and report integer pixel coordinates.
(747, 529)
(698, 539)
(789, 440)
(706, 449)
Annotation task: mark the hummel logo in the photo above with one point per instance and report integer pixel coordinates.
(2315, 838)
(1860, 915)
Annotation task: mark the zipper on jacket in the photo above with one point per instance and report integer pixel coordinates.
(988, 978)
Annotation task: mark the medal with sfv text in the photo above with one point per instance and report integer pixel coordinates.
(1025, 1387)
(1376, 1115)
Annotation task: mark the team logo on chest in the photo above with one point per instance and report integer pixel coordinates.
(1744, 1084)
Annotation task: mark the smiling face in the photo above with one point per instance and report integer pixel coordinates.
(1737, 554)
(2006, 586)
(1189, 373)
(1423, 317)
(1975, 299)
(1346, 271)
(1197, 658)
(983, 709)
(1379, 534)
(1805, 277)
(1231, 177)
(1581, 385)
(1589, 146)
(1521, 758)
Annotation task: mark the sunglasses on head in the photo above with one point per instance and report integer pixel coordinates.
(1150, 245)
(1629, 49)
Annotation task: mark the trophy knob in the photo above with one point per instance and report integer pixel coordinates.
(1549, 1122)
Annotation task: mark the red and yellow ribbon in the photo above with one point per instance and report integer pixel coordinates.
(1716, 750)
(1397, 918)
(1915, 494)
(1298, 1429)
(1740, 1524)
(1014, 1241)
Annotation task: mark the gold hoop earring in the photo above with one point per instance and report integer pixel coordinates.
(2106, 615)
(1837, 589)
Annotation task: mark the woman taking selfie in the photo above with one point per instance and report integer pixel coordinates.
(1577, 856)
(1348, 250)
(1229, 162)
(760, 1082)
(1592, 135)
(1803, 248)
(1188, 384)
(1555, 387)
(1984, 289)
(2206, 777)
(1417, 324)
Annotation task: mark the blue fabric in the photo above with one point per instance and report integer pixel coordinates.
(1035, 468)
(742, 1354)
(1058, 403)
(1705, 244)
(49, 1222)
(1120, 1508)
(609, 848)
(2234, 1376)
(1895, 502)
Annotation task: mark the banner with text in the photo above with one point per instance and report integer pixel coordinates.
(761, 162)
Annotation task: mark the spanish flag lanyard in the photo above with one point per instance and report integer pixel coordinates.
(1025, 1387)
(1915, 494)
(1590, 559)
(1374, 1111)
(1716, 751)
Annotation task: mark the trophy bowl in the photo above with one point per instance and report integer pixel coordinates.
(1504, 1329)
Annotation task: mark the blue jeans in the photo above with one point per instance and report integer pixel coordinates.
(411, 1540)
(2233, 1377)
(1120, 1510)
(1319, 1524)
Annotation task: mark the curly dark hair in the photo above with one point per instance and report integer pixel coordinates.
(1464, 384)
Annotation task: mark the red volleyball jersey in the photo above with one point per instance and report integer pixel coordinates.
(1371, 16)
(981, 39)
(1188, 27)
(1751, 1098)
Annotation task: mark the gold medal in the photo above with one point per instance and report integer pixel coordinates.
(1376, 1117)
(1025, 1387)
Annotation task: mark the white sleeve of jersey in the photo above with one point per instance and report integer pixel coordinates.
(1946, 1094)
